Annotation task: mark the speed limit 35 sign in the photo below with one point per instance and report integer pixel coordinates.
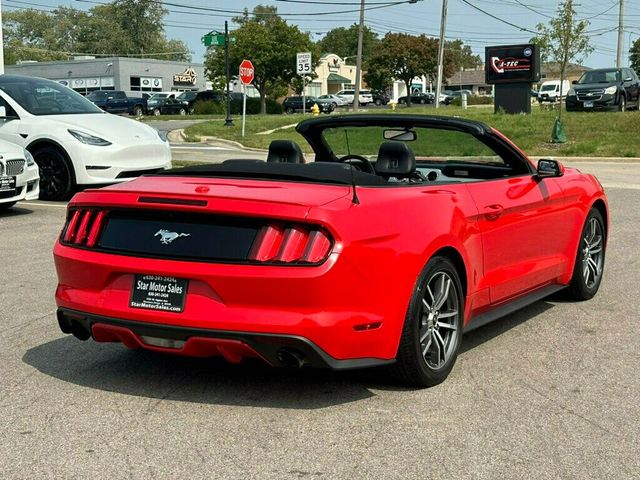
(303, 63)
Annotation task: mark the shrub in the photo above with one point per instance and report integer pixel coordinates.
(208, 107)
(473, 100)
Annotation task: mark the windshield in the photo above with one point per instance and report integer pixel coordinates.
(187, 96)
(431, 144)
(600, 76)
(157, 96)
(44, 97)
(97, 95)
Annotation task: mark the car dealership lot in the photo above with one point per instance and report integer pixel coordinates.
(548, 392)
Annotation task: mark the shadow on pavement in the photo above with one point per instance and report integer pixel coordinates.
(15, 212)
(114, 368)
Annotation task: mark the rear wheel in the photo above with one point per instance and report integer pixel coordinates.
(137, 111)
(423, 101)
(156, 111)
(289, 110)
(182, 111)
(432, 331)
(587, 273)
(56, 174)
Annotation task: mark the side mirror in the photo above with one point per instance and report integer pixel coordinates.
(628, 79)
(549, 168)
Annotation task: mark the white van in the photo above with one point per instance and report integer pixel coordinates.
(550, 90)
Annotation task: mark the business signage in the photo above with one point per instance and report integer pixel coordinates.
(186, 78)
(512, 64)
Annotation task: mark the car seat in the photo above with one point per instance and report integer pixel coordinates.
(395, 159)
(285, 151)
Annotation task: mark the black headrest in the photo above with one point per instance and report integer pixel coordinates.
(395, 159)
(285, 151)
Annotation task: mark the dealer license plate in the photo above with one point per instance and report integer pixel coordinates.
(154, 292)
(7, 184)
(588, 104)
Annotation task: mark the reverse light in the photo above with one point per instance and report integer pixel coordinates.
(290, 245)
(611, 90)
(83, 227)
(88, 139)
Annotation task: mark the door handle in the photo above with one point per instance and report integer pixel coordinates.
(492, 212)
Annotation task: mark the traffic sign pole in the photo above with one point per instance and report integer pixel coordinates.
(303, 68)
(244, 106)
(246, 74)
(228, 122)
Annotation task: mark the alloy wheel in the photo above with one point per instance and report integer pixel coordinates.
(592, 253)
(438, 329)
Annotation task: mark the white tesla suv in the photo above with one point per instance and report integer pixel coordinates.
(73, 141)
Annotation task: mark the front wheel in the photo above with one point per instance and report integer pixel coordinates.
(587, 273)
(432, 330)
(156, 111)
(56, 174)
(137, 111)
(289, 110)
(622, 106)
(182, 111)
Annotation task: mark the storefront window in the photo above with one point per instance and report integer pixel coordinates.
(145, 84)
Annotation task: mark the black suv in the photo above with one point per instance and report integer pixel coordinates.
(294, 104)
(189, 99)
(605, 89)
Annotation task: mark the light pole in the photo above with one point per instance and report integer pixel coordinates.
(443, 26)
(1, 43)
(356, 93)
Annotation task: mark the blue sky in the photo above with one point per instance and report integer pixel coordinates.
(464, 22)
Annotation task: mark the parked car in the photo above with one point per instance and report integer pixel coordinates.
(116, 101)
(191, 98)
(418, 98)
(365, 257)
(19, 178)
(72, 140)
(605, 89)
(166, 106)
(364, 96)
(380, 98)
(333, 99)
(550, 91)
(294, 104)
(458, 93)
(159, 98)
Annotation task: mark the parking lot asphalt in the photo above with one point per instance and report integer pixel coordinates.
(548, 392)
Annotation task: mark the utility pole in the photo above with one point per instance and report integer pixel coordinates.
(228, 122)
(620, 35)
(443, 26)
(1, 43)
(356, 92)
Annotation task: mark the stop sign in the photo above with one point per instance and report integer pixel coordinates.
(246, 72)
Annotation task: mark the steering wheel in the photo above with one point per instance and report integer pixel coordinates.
(358, 161)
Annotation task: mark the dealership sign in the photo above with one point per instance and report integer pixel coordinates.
(187, 78)
(512, 64)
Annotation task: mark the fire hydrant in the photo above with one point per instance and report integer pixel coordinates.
(393, 104)
(315, 110)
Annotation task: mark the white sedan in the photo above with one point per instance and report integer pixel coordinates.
(73, 141)
(335, 100)
(19, 179)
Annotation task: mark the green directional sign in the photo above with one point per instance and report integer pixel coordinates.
(217, 40)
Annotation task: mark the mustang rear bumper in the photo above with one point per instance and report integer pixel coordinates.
(275, 349)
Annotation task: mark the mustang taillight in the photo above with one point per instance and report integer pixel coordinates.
(292, 244)
(83, 227)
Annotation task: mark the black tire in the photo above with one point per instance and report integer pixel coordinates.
(622, 104)
(421, 327)
(6, 206)
(378, 102)
(156, 112)
(289, 110)
(587, 273)
(334, 105)
(423, 101)
(56, 173)
(182, 111)
(402, 101)
(191, 110)
(137, 111)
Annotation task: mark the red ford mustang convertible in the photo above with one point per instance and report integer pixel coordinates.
(404, 233)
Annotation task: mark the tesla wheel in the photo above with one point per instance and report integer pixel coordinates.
(587, 273)
(56, 174)
(622, 106)
(182, 111)
(137, 111)
(432, 329)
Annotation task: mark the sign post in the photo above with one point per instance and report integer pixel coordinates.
(303, 68)
(246, 74)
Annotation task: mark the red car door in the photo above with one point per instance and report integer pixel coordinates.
(523, 233)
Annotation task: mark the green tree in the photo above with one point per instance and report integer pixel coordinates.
(460, 55)
(404, 57)
(344, 42)
(634, 55)
(124, 27)
(563, 40)
(271, 44)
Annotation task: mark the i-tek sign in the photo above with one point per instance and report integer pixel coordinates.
(512, 64)
(246, 72)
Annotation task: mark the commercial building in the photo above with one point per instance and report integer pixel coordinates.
(133, 75)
